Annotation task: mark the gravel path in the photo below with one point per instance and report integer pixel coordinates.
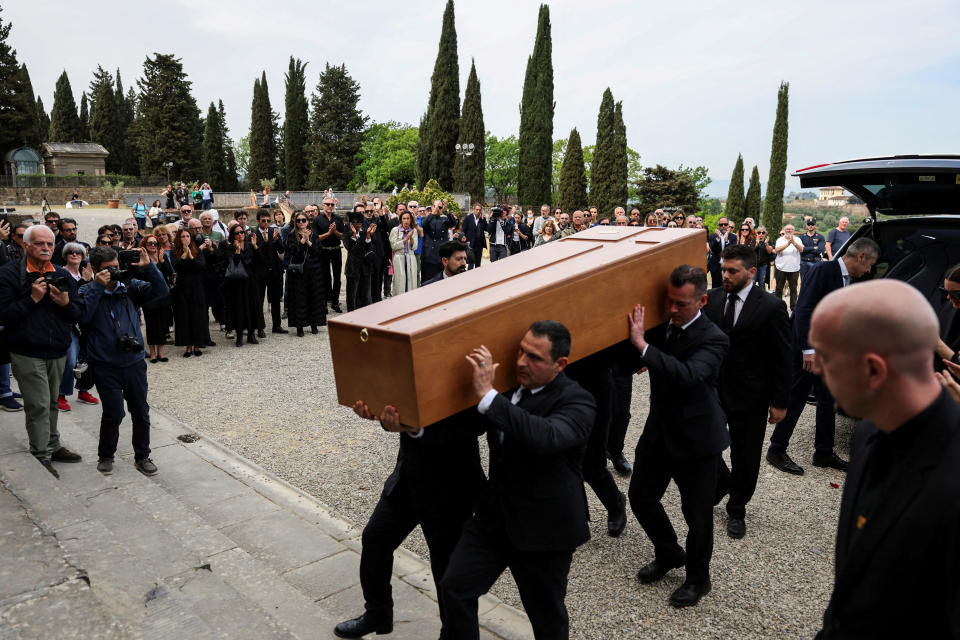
(276, 404)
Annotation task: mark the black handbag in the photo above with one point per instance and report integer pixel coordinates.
(236, 271)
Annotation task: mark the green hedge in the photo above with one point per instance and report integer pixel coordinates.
(425, 197)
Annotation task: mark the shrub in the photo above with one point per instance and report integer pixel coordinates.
(430, 192)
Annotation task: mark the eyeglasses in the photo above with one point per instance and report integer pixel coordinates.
(761, 233)
(103, 241)
(149, 244)
(299, 220)
(952, 294)
(328, 204)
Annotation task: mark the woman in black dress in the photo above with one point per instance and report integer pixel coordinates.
(156, 313)
(239, 289)
(307, 299)
(189, 305)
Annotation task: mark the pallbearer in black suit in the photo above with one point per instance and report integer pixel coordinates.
(898, 538)
(684, 434)
(534, 511)
(754, 381)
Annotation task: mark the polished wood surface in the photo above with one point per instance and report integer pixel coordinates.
(409, 350)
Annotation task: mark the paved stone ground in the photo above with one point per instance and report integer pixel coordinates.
(276, 405)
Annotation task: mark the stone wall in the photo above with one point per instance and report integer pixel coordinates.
(57, 196)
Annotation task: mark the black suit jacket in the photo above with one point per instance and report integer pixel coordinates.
(756, 371)
(535, 491)
(716, 249)
(474, 230)
(901, 578)
(685, 414)
(821, 279)
(440, 470)
(269, 248)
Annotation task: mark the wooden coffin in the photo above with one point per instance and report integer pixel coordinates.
(409, 350)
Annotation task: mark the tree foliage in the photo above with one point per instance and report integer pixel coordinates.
(753, 207)
(430, 192)
(213, 154)
(736, 205)
(64, 120)
(168, 127)
(105, 127)
(126, 114)
(43, 122)
(534, 180)
(389, 157)
(604, 172)
(230, 182)
(84, 117)
(472, 131)
(336, 129)
(18, 114)
(263, 152)
(241, 153)
(773, 202)
(573, 176)
(503, 162)
(662, 187)
(296, 125)
(443, 110)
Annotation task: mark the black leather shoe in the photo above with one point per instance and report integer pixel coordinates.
(359, 627)
(251, 339)
(657, 569)
(689, 594)
(280, 330)
(736, 528)
(832, 461)
(261, 333)
(49, 467)
(617, 519)
(620, 464)
(211, 343)
(336, 307)
(314, 330)
(65, 455)
(783, 462)
(299, 332)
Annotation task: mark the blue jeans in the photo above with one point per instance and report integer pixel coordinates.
(207, 204)
(141, 222)
(5, 390)
(761, 277)
(73, 352)
(116, 384)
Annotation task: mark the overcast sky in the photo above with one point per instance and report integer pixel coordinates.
(698, 80)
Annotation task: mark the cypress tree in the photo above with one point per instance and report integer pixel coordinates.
(43, 121)
(754, 205)
(105, 126)
(230, 180)
(573, 176)
(535, 171)
(423, 151)
(619, 183)
(18, 116)
(262, 136)
(443, 110)
(126, 152)
(64, 121)
(472, 130)
(212, 154)
(84, 117)
(168, 119)
(736, 205)
(773, 202)
(603, 169)
(296, 126)
(336, 129)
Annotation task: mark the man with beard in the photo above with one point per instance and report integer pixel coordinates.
(453, 258)
(68, 233)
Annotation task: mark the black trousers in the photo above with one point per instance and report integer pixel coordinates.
(595, 471)
(331, 266)
(696, 479)
(270, 286)
(620, 412)
(747, 429)
(476, 256)
(826, 427)
(716, 275)
(114, 385)
(394, 517)
(376, 281)
(480, 558)
(358, 291)
(429, 269)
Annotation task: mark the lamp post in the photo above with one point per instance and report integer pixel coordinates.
(465, 150)
(168, 165)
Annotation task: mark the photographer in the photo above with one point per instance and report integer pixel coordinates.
(500, 229)
(435, 227)
(38, 307)
(115, 347)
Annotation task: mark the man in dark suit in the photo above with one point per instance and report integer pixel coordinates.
(717, 242)
(268, 267)
(453, 260)
(435, 226)
(755, 377)
(948, 346)
(822, 279)
(359, 241)
(474, 227)
(685, 431)
(330, 228)
(897, 561)
(534, 511)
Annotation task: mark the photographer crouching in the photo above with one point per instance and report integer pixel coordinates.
(111, 323)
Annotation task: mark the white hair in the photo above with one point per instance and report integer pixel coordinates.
(32, 230)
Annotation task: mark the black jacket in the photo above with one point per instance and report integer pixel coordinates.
(474, 229)
(685, 413)
(713, 242)
(434, 233)
(900, 577)
(535, 491)
(268, 251)
(361, 255)
(756, 371)
(35, 329)
(822, 278)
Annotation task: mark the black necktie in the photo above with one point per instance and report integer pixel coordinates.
(524, 394)
(728, 314)
(673, 337)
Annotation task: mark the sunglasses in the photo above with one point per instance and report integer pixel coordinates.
(721, 224)
(149, 244)
(761, 233)
(19, 235)
(301, 220)
(744, 228)
(74, 253)
(953, 295)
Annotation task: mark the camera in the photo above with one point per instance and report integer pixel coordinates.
(126, 342)
(496, 212)
(60, 282)
(126, 259)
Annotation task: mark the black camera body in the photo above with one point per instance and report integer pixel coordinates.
(60, 282)
(126, 342)
(496, 212)
(126, 259)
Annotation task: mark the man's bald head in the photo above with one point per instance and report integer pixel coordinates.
(873, 340)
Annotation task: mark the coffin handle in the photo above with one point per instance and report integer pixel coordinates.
(364, 335)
